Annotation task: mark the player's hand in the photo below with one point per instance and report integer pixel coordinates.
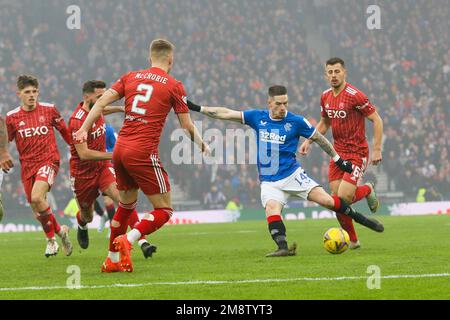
(6, 162)
(194, 107)
(81, 136)
(344, 165)
(304, 148)
(206, 150)
(376, 157)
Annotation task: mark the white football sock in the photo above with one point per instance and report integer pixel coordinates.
(133, 236)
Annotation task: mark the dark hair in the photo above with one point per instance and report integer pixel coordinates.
(91, 85)
(26, 80)
(335, 60)
(277, 91)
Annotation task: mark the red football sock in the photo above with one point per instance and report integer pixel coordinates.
(360, 193)
(345, 221)
(274, 218)
(80, 220)
(45, 219)
(122, 216)
(160, 217)
(56, 225)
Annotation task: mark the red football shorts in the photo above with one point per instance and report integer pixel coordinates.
(87, 190)
(45, 173)
(139, 170)
(359, 167)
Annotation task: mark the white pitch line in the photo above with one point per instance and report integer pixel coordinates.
(218, 282)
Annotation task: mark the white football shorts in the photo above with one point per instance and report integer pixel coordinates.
(297, 184)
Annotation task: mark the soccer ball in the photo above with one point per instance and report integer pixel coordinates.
(336, 240)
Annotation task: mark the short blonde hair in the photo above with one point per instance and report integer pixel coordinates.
(160, 48)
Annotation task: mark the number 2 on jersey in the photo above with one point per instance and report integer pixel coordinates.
(142, 98)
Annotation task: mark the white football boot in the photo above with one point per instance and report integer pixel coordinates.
(372, 199)
(354, 245)
(52, 247)
(65, 241)
(103, 220)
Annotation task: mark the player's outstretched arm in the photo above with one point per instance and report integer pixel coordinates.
(217, 112)
(113, 109)
(106, 99)
(377, 137)
(6, 162)
(87, 154)
(326, 146)
(191, 129)
(322, 127)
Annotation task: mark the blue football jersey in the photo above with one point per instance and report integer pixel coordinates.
(111, 137)
(277, 142)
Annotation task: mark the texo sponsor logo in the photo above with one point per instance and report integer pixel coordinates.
(31, 132)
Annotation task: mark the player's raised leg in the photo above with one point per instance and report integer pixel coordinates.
(337, 204)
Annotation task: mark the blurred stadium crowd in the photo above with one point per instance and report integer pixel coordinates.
(228, 53)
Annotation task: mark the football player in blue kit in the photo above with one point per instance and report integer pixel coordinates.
(281, 175)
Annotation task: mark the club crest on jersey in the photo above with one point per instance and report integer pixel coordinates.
(21, 123)
(41, 119)
(341, 105)
(263, 123)
(288, 127)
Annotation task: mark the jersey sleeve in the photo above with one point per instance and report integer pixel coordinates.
(60, 125)
(179, 99)
(74, 126)
(119, 86)
(304, 128)
(363, 105)
(251, 117)
(322, 108)
(10, 129)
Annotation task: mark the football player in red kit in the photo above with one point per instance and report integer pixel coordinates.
(344, 108)
(90, 166)
(149, 95)
(31, 126)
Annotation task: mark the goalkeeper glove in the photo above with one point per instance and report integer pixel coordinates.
(344, 165)
(194, 107)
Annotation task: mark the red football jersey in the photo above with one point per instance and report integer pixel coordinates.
(149, 96)
(347, 112)
(87, 169)
(34, 135)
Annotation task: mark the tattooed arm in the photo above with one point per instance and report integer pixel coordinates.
(326, 146)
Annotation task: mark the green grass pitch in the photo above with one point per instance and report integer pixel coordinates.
(227, 261)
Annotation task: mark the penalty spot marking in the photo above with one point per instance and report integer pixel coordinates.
(219, 282)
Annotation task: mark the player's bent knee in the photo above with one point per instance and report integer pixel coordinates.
(37, 200)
